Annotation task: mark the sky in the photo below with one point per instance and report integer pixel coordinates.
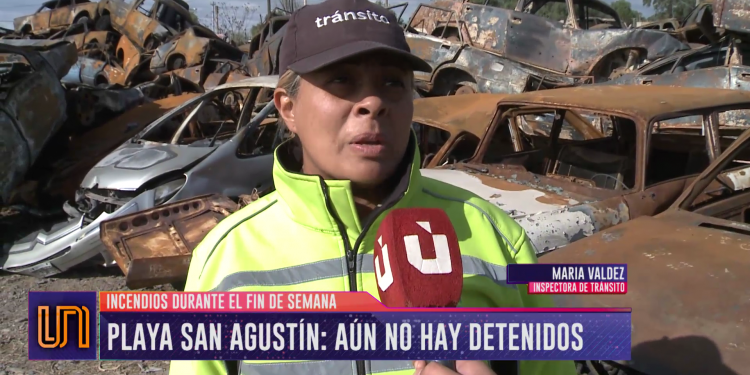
(10, 9)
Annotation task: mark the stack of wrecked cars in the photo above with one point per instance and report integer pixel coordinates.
(687, 273)
(124, 43)
(482, 48)
(562, 167)
(193, 149)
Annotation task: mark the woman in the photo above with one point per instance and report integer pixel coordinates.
(346, 94)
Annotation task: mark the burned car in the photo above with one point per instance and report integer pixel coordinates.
(190, 48)
(669, 24)
(696, 28)
(194, 149)
(731, 15)
(450, 129)
(688, 274)
(570, 47)
(146, 28)
(561, 190)
(154, 248)
(263, 50)
(30, 78)
(723, 66)
(56, 14)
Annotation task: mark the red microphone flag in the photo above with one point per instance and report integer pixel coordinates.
(418, 259)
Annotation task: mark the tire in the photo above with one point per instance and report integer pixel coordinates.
(176, 62)
(83, 20)
(104, 23)
(150, 44)
(463, 88)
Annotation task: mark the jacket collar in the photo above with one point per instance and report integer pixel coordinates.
(305, 195)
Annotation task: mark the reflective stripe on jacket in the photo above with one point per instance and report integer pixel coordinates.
(289, 240)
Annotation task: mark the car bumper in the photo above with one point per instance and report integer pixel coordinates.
(67, 244)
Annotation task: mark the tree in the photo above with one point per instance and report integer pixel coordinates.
(670, 8)
(289, 5)
(234, 22)
(626, 12)
(194, 17)
(507, 4)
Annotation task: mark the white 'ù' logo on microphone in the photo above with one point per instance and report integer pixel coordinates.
(385, 279)
(442, 262)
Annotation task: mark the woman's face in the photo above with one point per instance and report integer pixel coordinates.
(353, 119)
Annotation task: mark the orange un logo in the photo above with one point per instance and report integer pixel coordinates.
(62, 315)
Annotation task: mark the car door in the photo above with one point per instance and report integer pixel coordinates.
(43, 18)
(535, 39)
(61, 15)
(240, 166)
(138, 22)
(429, 43)
(740, 78)
(701, 69)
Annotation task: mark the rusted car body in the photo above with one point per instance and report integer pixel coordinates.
(723, 66)
(438, 32)
(105, 40)
(194, 149)
(561, 190)
(475, 70)
(669, 24)
(696, 29)
(450, 129)
(86, 149)
(263, 50)
(94, 72)
(191, 48)
(54, 15)
(687, 277)
(213, 72)
(146, 28)
(731, 15)
(153, 249)
(30, 79)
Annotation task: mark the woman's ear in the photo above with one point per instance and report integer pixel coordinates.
(285, 105)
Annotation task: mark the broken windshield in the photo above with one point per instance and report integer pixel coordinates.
(206, 121)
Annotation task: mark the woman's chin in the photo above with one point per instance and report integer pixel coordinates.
(369, 174)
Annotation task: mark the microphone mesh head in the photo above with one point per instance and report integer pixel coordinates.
(418, 259)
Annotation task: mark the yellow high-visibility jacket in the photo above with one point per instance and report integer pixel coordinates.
(289, 240)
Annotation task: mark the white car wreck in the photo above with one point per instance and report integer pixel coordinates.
(569, 162)
(196, 148)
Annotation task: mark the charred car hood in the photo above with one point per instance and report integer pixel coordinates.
(515, 199)
(551, 220)
(687, 285)
(134, 164)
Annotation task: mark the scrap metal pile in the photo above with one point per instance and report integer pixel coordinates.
(107, 73)
(77, 79)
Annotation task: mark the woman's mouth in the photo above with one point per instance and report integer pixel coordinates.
(368, 144)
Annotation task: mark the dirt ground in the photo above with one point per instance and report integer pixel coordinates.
(14, 325)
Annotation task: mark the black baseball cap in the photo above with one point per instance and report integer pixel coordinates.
(321, 34)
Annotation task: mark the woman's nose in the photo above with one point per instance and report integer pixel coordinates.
(371, 106)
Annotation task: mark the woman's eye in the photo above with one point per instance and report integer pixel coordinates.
(340, 79)
(395, 82)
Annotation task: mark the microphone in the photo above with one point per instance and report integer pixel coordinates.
(418, 261)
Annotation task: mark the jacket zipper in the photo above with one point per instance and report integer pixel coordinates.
(351, 253)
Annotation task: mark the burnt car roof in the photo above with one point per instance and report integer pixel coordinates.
(645, 102)
(685, 286)
(471, 113)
